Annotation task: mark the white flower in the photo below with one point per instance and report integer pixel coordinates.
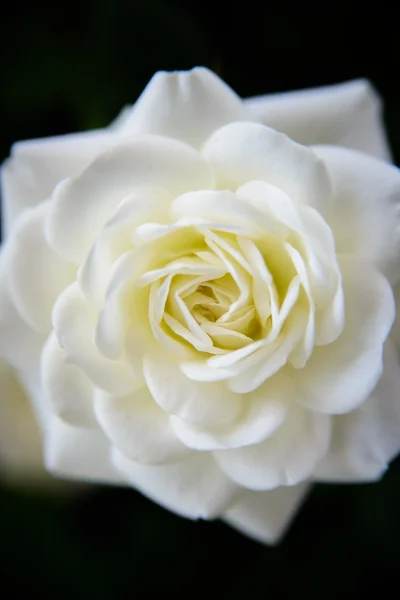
(200, 305)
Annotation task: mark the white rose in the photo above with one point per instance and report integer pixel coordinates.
(202, 305)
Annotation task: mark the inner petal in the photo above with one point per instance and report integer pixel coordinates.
(241, 277)
(226, 338)
(222, 293)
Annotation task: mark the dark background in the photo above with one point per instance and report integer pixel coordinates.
(73, 66)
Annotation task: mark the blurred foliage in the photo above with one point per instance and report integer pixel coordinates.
(73, 66)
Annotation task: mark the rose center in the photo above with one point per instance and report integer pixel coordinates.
(226, 293)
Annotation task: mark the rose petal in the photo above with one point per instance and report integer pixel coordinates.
(138, 427)
(19, 344)
(87, 202)
(115, 239)
(263, 364)
(187, 105)
(79, 453)
(241, 152)
(365, 440)
(66, 387)
(193, 487)
(304, 349)
(339, 377)
(272, 202)
(329, 322)
(265, 516)
(348, 114)
(325, 277)
(74, 323)
(116, 317)
(36, 166)
(194, 402)
(36, 274)
(263, 413)
(365, 212)
(222, 206)
(286, 458)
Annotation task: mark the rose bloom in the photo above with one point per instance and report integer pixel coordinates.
(198, 300)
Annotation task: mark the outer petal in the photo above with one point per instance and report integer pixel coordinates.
(78, 453)
(36, 166)
(187, 105)
(20, 441)
(36, 274)
(241, 152)
(365, 212)
(348, 114)
(265, 516)
(74, 323)
(87, 202)
(19, 344)
(193, 487)
(209, 404)
(67, 389)
(286, 458)
(263, 413)
(138, 427)
(365, 440)
(339, 377)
